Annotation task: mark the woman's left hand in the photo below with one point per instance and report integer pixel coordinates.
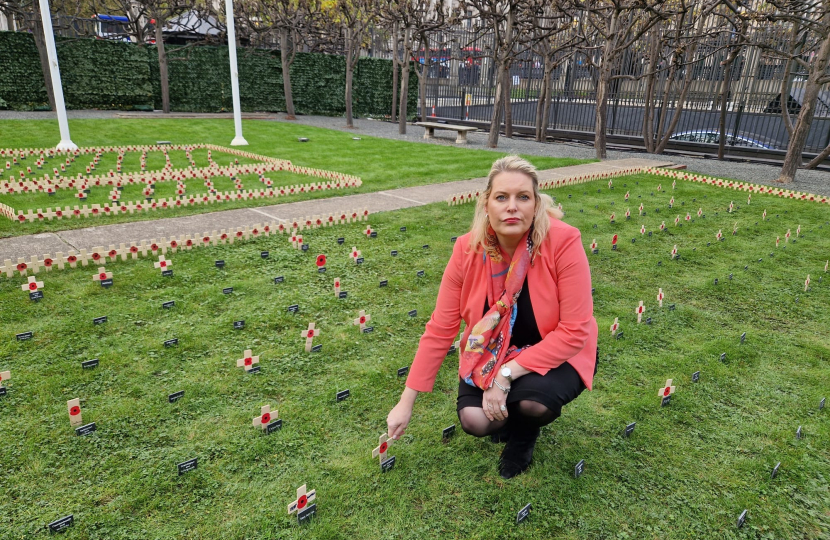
(492, 402)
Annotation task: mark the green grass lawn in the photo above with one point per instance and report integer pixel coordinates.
(687, 471)
(380, 163)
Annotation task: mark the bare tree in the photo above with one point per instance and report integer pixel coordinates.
(607, 29)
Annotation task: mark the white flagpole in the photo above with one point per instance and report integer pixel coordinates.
(66, 143)
(238, 140)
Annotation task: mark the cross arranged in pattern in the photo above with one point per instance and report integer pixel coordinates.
(309, 336)
(787, 236)
(337, 287)
(627, 213)
(594, 244)
(383, 445)
(748, 199)
(807, 283)
(764, 216)
(677, 220)
(643, 229)
(627, 194)
(700, 212)
(5, 376)
(798, 231)
(355, 253)
(368, 231)
(248, 360)
(102, 274)
(641, 209)
(73, 406)
(671, 202)
(719, 235)
(663, 226)
(163, 264)
(614, 240)
(688, 217)
(265, 417)
(660, 293)
(303, 498)
(33, 285)
(613, 216)
(667, 390)
(615, 326)
(777, 240)
(362, 319)
(731, 206)
(640, 310)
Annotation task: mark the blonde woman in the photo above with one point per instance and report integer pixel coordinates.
(521, 283)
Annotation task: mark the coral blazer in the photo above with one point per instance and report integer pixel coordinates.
(559, 283)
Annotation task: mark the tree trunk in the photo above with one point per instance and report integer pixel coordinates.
(508, 103)
(602, 110)
(495, 121)
(724, 98)
(349, 73)
(651, 86)
(542, 100)
(395, 64)
(422, 73)
(285, 60)
(404, 97)
(40, 43)
(808, 111)
(165, 86)
(546, 110)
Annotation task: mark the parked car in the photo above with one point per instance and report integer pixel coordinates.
(712, 137)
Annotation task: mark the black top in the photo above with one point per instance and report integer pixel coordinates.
(525, 330)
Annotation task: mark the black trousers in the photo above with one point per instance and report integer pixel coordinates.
(554, 390)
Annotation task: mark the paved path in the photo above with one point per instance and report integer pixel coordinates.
(380, 201)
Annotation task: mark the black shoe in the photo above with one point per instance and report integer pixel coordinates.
(501, 436)
(517, 453)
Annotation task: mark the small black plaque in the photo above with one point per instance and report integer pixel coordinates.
(35, 295)
(317, 348)
(166, 273)
(264, 254)
(403, 371)
(579, 468)
(294, 308)
(106, 283)
(394, 252)
(342, 294)
(743, 337)
(227, 290)
(421, 273)
(175, 396)
(665, 401)
(671, 307)
(89, 364)
(368, 329)
(341, 240)
(523, 513)
(85, 429)
(25, 336)
(168, 305)
(253, 370)
(403, 229)
(821, 403)
(278, 280)
(648, 320)
(384, 282)
(220, 264)
(273, 426)
(413, 313)
(61, 524)
(425, 246)
(452, 350)
(373, 234)
(2, 391)
(359, 260)
(304, 247)
(238, 325)
(187, 466)
(321, 270)
(386, 466)
(775, 471)
(453, 239)
(722, 357)
(696, 376)
(798, 434)
(343, 394)
(99, 320)
(629, 429)
(306, 514)
(620, 334)
(448, 432)
(171, 342)
(742, 519)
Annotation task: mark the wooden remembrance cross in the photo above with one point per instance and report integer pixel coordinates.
(309, 336)
(383, 445)
(303, 498)
(362, 319)
(248, 360)
(265, 417)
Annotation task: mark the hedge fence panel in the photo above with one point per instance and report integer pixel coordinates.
(105, 74)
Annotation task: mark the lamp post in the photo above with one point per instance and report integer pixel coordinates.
(238, 140)
(60, 107)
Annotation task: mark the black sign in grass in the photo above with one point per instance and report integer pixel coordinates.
(413, 313)
(696, 376)
(447, 432)
(253, 370)
(523, 513)
(238, 325)
(89, 364)
(36, 296)
(25, 336)
(293, 308)
(171, 342)
(169, 304)
(85, 429)
(742, 519)
(384, 282)
(2, 391)
(421, 273)
(306, 514)
(278, 280)
(341, 240)
(629, 429)
(106, 283)
(775, 471)
(386, 466)
(403, 371)
(373, 234)
(425, 246)
(220, 264)
(227, 290)
(359, 260)
(394, 252)
(264, 254)
(273, 426)
(317, 348)
(166, 273)
(60, 524)
(187, 466)
(342, 294)
(99, 320)
(665, 401)
(175, 396)
(579, 468)
(341, 395)
(403, 229)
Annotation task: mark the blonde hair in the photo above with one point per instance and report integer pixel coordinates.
(544, 204)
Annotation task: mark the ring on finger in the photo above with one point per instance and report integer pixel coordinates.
(503, 408)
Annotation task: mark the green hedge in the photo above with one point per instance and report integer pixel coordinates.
(112, 75)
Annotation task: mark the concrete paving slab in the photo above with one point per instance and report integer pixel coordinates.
(35, 244)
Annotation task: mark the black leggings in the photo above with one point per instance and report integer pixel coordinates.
(534, 401)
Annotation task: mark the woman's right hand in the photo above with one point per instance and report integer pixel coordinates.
(398, 419)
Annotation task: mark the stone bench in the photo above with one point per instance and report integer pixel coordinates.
(430, 127)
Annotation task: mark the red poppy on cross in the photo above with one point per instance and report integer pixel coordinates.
(640, 310)
(362, 319)
(303, 498)
(265, 417)
(641, 209)
(384, 442)
(102, 274)
(673, 253)
(309, 336)
(33, 285)
(615, 326)
(643, 229)
(660, 293)
(614, 240)
(73, 406)
(368, 231)
(666, 390)
(355, 253)
(337, 287)
(248, 360)
(807, 283)
(594, 244)
(787, 236)
(162, 263)
(321, 261)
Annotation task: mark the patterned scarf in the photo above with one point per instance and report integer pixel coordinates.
(488, 345)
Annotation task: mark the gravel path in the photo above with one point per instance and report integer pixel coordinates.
(808, 181)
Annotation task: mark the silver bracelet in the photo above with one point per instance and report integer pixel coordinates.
(503, 389)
